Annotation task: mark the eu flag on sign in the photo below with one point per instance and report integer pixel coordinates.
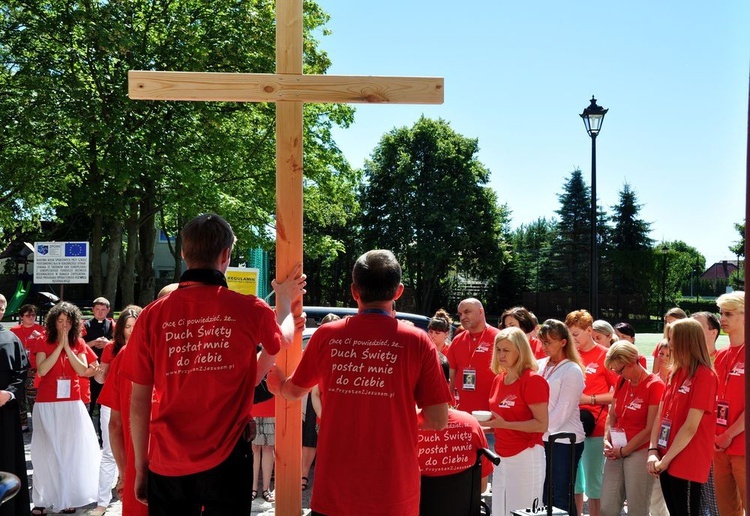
(75, 249)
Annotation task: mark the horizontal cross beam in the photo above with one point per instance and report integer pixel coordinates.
(262, 87)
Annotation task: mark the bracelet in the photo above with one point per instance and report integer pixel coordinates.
(593, 399)
(621, 455)
(653, 449)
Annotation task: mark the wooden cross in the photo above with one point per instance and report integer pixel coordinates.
(289, 89)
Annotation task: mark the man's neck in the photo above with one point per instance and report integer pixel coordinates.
(737, 338)
(478, 329)
(385, 306)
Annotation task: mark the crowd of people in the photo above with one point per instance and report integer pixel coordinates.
(385, 403)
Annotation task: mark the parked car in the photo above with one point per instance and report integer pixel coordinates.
(316, 313)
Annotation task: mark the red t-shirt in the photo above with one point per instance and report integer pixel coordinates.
(536, 347)
(371, 370)
(473, 352)
(116, 395)
(730, 370)
(86, 380)
(265, 408)
(682, 394)
(453, 450)
(29, 337)
(632, 403)
(599, 380)
(108, 352)
(197, 347)
(511, 402)
(47, 388)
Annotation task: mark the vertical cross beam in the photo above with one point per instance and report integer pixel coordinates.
(289, 204)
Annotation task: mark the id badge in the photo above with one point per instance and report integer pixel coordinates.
(722, 413)
(618, 437)
(470, 379)
(664, 429)
(63, 388)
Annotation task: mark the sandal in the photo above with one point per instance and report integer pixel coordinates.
(39, 511)
(304, 483)
(68, 511)
(254, 495)
(268, 496)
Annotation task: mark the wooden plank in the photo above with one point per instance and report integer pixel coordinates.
(289, 174)
(260, 87)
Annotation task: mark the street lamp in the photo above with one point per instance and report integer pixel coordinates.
(593, 116)
(664, 250)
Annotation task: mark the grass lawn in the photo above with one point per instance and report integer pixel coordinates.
(646, 342)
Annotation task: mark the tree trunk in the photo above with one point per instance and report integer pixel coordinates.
(127, 281)
(113, 260)
(147, 242)
(97, 234)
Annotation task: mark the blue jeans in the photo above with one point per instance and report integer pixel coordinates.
(560, 474)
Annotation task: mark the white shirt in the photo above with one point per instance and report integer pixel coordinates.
(566, 383)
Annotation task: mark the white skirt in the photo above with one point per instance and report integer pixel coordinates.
(65, 456)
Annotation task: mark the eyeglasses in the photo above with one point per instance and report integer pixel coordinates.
(30, 314)
(619, 372)
(549, 342)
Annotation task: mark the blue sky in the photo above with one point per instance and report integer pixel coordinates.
(674, 76)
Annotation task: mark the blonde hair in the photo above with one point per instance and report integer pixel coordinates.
(732, 301)
(622, 352)
(559, 331)
(517, 337)
(688, 346)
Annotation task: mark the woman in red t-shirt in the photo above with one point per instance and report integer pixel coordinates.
(681, 446)
(64, 447)
(439, 330)
(518, 401)
(627, 431)
(108, 465)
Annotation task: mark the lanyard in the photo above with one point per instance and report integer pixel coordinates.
(479, 341)
(63, 358)
(547, 375)
(632, 393)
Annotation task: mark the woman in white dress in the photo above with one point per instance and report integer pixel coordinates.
(64, 447)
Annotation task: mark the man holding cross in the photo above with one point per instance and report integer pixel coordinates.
(372, 371)
(196, 350)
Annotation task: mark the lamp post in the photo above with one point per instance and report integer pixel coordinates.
(593, 116)
(664, 250)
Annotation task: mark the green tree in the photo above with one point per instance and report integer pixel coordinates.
(426, 198)
(110, 169)
(737, 278)
(630, 256)
(571, 256)
(531, 259)
(675, 262)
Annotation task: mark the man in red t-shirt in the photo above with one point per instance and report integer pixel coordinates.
(196, 349)
(371, 370)
(729, 457)
(470, 356)
(596, 398)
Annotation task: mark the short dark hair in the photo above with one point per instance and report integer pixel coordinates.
(446, 367)
(73, 313)
(625, 329)
(377, 275)
(26, 309)
(520, 314)
(204, 239)
(711, 319)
